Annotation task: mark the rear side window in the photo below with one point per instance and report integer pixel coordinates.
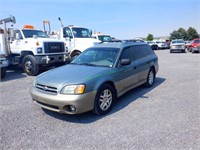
(141, 51)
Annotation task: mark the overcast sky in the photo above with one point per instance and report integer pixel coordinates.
(120, 18)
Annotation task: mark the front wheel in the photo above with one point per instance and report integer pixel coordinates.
(150, 78)
(74, 55)
(104, 99)
(29, 65)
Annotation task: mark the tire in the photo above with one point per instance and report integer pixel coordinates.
(150, 78)
(74, 55)
(3, 72)
(29, 65)
(104, 99)
(170, 51)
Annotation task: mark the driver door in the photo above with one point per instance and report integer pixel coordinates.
(128, 75)
(16, 44)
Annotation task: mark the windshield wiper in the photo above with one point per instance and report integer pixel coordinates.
(87, 64)
(74, 63)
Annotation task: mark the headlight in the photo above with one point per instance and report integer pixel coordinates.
(39, 50)
(73, 89)
(183, 46)
(172, 47)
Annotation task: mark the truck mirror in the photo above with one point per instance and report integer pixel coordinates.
(12, 34)
(35, 36)
(17, 36)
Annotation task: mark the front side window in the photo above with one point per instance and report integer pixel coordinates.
(126, 54)
(67, 32)
(17, 32)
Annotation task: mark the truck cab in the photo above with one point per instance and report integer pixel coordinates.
(77, 39)
(102, 37)
(3, 59)
(34, 49)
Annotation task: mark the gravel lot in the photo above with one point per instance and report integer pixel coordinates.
(166, 116)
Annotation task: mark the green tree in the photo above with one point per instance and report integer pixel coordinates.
(192, 33)
(182, 33)
(179, 34)
(149, 37)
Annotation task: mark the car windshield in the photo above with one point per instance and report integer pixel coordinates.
(81, 33)
(104, 57)
(177, 41)
(38, 33)
(196, 41)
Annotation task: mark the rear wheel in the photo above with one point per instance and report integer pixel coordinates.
(150, 78)
(104, 99)
(29, 65)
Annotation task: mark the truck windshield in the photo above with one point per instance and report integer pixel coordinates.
(38, 33)
(104, 38)
(81, 33)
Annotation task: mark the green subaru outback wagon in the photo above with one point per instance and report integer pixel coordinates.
(96, 78)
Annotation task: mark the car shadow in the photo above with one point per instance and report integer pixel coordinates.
(120, 104)
(16, 72)
(13, 73)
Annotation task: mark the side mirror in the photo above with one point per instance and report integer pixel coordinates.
(124, 62)
(35, 36)
(17, 36)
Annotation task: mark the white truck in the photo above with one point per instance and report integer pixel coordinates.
(3, 60)
(76, 38)
(31, 48)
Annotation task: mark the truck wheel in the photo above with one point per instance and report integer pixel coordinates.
(74, 55)
(3, 72)
(29, 65)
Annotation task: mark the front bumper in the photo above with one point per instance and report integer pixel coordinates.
(50, 59)
(61, 103)
(196, 49)
(177, 50)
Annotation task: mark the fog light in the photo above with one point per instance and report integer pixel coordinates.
(72, 108)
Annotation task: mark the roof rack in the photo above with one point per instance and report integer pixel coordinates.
(124, 41)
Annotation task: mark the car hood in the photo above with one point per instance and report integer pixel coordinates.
(70, 74)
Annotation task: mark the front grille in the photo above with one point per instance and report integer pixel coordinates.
(46, 89)
(54, 47)
(178, 46)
